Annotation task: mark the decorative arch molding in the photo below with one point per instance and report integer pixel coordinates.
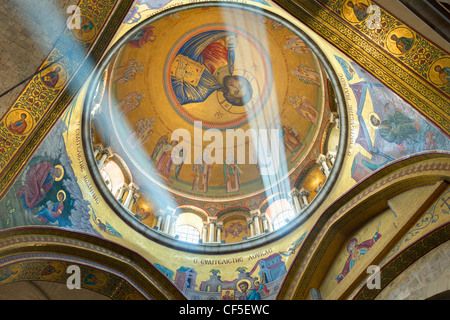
(191, 209)
(353, 209)
(19, 250)
(123, 166)
(275, 197)
(413, 253)
(225, 213)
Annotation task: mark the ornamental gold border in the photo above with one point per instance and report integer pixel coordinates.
(407, 257)
(21, 151)
(47, 241)
(27, 267)
(351, 206)
(392, 72)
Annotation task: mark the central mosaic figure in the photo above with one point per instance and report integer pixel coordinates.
(204, 64)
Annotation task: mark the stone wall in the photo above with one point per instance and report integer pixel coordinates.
(28, 32)
(425, 278)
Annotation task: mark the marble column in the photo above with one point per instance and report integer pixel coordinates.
(205, 231)
(159, 218)
(97, 149)
(304, 194)
(132, 189)
(322, 161)
(265, 223)
(269, 223)
(136, 196)
(295, 199)
(105, 154)
(219, 229)
(255, 214)
(121, 191)
(250, 225)
(167, 223)
(212, 223)
(334, 118)
(331, 157)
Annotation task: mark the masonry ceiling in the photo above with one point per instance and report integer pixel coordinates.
(116, 83)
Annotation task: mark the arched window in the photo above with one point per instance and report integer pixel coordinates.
(280, 212)
(106, 179)
(283, 218)
(187, 233)
(113, 176)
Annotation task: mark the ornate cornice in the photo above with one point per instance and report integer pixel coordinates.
(410, 79)
(43, 244)
(77, 57)
(399, 177)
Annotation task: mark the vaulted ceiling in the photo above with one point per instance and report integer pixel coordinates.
(31, 46)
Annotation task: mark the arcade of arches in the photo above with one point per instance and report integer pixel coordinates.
(236, 150)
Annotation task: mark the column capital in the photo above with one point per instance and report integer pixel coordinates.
(331, 154)
(108, 151)
(98, 146)
(160, 213)
(133, 186)
(219, 225)
(212, 220)
(321, 158)
(303, 192)
(294, 192)
(136, 195)
(255, 212)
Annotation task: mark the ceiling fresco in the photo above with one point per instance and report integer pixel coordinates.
(160, 94)
(286, 93)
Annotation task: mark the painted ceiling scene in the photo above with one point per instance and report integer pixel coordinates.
(228, 150)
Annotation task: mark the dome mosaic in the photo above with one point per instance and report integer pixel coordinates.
(222, 118)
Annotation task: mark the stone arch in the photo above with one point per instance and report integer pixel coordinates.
(355, 208)
(105, 260)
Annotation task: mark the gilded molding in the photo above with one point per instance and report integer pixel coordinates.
(398, 73)
(400, 176)
(39, 243)
(43, 101)
(411, 254)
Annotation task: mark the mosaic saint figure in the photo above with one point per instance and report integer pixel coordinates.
(403, 44)
(359, 9)
(307, 75)
(255, 292)
(305, 108)
(130, 102)
(397, 128)
(143, 130)
(444, 74)
(51, 211)
(205, 64)
(144, 36)
(162, 156)
(355, 251)
(232, 175)
(38, 182)
(86, 26)
(296, 45)
(51, 78)
(202, 175)
(291, 138)
(19, 126)
(128, 71)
